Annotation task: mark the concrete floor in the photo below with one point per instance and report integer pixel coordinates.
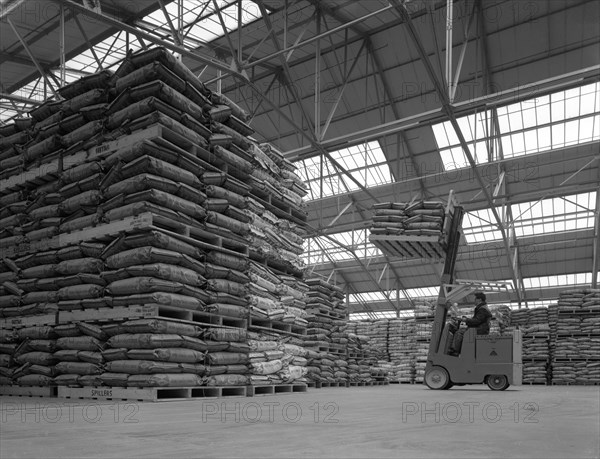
(363, 422)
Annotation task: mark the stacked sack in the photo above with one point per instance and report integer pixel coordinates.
(417, 218)
(89, 169)
(135, 353)
(577, 341)
(325, 298)
(324, 367)
(27, 356)
(401, 342)
(536, 353)
(273, 362)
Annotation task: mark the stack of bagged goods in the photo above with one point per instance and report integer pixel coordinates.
(418, 218)
(424, 310)
(519, 317)
(591, 300)
(135, 353)
(318, 333)
(339, 335)
(27, 356)
(378, 339)
(154, 352)
(380, 371)
(322, 368)
(577, 340)
(192, 213)
(538, 316)
(536, 353)
(273, 362)
(553, 324)
(501, 319)
(401, 342)
(325, 298)
(327, 318)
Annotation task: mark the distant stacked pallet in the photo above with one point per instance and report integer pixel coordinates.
(536, 353)
(424, 310)
(135, 353)
(276, 362)
(143, 189)
(362, 355)
(576, 357)
(401, 342)
(326, 332)
(409, 230)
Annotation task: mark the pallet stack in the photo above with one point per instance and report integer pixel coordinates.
(401, 341)
(141, 194)
(577, 343)
(364, 352)
(420, 218)
(326, 332)
(424, 314)
(276, 362)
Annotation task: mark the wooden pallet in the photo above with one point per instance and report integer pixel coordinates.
(271, 389)
(324, 312)
(277, 325)
(153, 394)
(28, 321)
(147, 311)
(410, 247)
(199, 237)
(279, 207)
(28, 391)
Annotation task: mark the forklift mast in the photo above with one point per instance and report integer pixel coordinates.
(441, 309)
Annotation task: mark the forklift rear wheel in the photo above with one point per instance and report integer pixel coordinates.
(437, 378)
(497, 382)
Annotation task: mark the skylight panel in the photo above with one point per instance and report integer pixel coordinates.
(573, 116)
(574, 212)
(351, 243)
(365, 162)
(562, 280)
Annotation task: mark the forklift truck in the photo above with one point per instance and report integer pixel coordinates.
(494, 360)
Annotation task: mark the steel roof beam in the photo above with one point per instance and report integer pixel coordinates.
(39, 68)
(119, 25)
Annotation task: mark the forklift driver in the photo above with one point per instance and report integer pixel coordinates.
(480, 320)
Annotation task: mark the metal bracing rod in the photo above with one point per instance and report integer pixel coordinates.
(430, 13)
(495, 131)
(461, 57)
(378, 66)
(19, 99)
(87, 42)
(388, 93)
(324, 34)
(232, 50)
(596, 243)
(32, 57)
(449, 25)
(286, 68)
(214, 63)
(174, 33)
(341, 92)
(342, 212)
(61, 44)
(317, 91)
(335, 266)
(366, 269)
(443, 95)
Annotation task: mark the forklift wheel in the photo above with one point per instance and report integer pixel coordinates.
(497, 382)
(437, 378)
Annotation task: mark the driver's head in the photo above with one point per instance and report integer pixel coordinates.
(479, 297)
